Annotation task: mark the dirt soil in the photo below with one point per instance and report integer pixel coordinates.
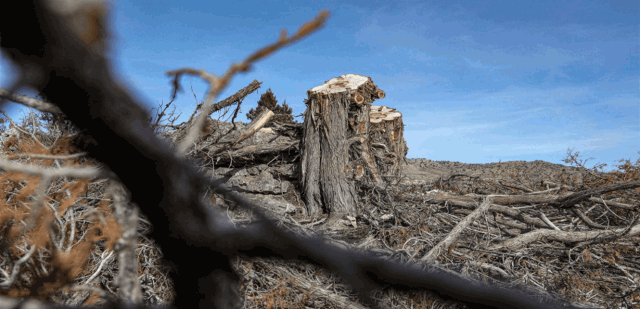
(424, 171)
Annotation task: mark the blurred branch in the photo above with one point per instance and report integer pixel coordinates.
(30, 102)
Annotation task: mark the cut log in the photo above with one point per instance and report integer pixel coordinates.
(246, 154)
(387, 139)
(335, 146)
(253, 127)
(229, 145)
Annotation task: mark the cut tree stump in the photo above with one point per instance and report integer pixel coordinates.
(336, 146)
(387, 140)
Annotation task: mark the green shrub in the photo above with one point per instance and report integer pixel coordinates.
(268, 101)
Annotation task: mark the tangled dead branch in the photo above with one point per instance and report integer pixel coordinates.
(74, 72)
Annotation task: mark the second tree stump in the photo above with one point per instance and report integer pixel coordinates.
(337, 146)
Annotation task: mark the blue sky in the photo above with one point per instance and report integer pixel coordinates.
(476, 81)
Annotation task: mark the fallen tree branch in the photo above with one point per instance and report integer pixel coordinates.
(469, 203)
(565, 237)
(83, 172)
(514, 186)
(553, 184)
(257, 150)
(431, 256)
(547, 221)
(517, 225)
(569, 201)
(255, 126)
(553, 200)
(613, 203)
(586, 219)
(30, 102)
(501, 199)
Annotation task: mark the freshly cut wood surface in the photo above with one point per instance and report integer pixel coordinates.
(383, 113)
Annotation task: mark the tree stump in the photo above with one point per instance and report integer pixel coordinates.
(336, 145)
(387, 140)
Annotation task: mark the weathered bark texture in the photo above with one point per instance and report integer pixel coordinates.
(387, 138)
(336, 147)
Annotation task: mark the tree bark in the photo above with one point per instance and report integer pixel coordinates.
(335, 146)
(324, 156)
(387, 140)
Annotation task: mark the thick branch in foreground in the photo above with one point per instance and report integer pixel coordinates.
(92, 98)
(30, 102)
(167, 188)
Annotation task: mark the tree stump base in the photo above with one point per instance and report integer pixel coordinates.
(387, 140)
(337, 144)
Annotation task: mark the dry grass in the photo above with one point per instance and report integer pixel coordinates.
(65, 250)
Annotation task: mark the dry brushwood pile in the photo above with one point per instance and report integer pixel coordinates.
(432, 214)
(74, 223)
(122, 208)
(524, 238)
